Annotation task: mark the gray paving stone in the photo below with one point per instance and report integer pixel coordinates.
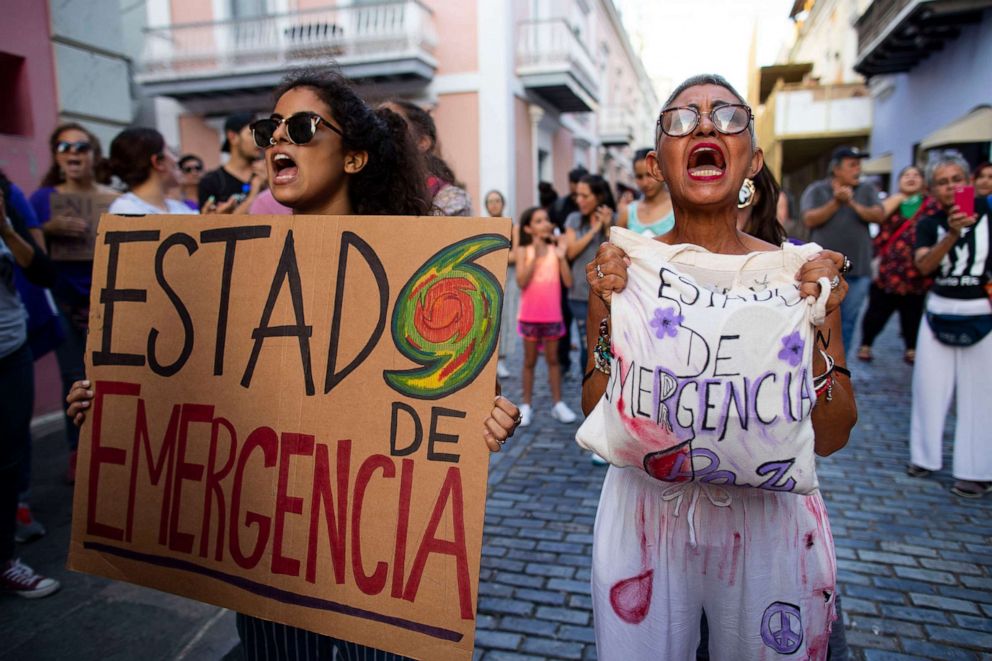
(943, 603)
(565, 615)
(940, 651)
(530, 625)
(553, 649)
(881, 655)
(498, 639)
(961, 637)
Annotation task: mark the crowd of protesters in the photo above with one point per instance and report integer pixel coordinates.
(928, 259)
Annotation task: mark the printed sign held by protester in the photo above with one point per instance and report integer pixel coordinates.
(710, 385)
(288, 416)
(86, 206)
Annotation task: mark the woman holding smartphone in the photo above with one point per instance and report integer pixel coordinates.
(954, 347)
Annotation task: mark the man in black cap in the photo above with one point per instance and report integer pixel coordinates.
(837, 210)
(240, 177)
(565, 204)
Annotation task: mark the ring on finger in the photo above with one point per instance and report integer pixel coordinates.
(835, 283)
(599, 272)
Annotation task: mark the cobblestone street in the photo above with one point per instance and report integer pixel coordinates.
(914, 561)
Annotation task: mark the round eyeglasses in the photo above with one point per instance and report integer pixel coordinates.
(301, 127)
(728, 119)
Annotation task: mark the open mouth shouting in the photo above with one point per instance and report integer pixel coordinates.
(284, 168)
(706, 162)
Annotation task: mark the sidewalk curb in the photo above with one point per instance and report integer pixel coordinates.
(46, 423)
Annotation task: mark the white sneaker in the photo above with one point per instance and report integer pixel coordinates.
(501, 371)
(525, 415)
(562, 413)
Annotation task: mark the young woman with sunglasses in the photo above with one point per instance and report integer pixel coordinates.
(191, 171)
(329, 153)
(77, 167)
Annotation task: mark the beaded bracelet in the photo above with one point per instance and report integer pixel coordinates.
(602, 353)
(824, 383)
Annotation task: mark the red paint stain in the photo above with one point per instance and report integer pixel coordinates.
(631, 597)
(735, 557)
(667, 466)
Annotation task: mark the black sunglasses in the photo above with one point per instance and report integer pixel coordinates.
(81, 147)
(728, 119)
(300, 127)
(190, 169)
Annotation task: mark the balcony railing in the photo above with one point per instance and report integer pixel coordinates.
(802, 110)
(616, 125)
(895, 35)
(550, 47)
(349, 34)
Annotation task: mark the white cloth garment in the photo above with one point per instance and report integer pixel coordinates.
(677, 531)
(711, 373)
(760, 564)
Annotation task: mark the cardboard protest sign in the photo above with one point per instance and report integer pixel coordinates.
(85, 206)
(288, 418)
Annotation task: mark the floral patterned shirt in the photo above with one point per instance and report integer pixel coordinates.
(897, 273)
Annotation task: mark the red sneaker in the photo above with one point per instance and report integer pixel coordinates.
(28, 528)
(17, 578)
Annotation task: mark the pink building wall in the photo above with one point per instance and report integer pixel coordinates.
(25, 33)
(564, 156)
(191, 11)
(197, 137)
(526, 193)
(457, 48)
(457, 119)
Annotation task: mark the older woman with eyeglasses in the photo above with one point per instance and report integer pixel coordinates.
(674, 537)
(954, 347)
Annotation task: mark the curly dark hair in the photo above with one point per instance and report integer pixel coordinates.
(422, 125)
(131, 154)
(763, 223)
(101, 169)
(393, 181)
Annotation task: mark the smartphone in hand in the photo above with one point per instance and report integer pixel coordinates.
(964, 198)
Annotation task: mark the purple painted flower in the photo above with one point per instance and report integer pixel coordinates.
(666, 322)
(792, 349)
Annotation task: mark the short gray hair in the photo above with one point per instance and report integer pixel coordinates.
(943, 160)
(710, 79)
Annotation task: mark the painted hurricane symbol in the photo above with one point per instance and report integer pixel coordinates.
(446, 320)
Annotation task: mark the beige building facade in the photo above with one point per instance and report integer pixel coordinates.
(521, 90)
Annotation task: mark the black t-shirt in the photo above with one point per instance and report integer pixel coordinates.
(965, 269)
(563, 207)
(221, 184)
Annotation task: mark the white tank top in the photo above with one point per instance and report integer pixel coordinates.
(711, 374)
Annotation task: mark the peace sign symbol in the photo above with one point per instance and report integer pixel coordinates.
(782, 627)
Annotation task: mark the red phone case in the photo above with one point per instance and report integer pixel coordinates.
(964, 198)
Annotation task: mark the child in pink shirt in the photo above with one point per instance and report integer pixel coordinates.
(541, 268)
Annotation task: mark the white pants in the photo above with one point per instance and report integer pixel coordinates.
(940, 372)
(759, 563)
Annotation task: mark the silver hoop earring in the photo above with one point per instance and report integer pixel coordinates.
(746, 195)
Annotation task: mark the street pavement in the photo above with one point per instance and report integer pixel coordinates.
(914, 561)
